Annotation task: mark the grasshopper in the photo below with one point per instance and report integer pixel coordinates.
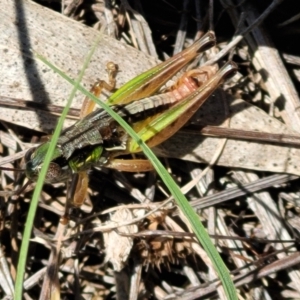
(97, 139)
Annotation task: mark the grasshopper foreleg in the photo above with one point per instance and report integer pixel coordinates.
(77, 190)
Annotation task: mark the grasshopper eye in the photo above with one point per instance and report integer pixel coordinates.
(28, 155)
(30, 168)
(33, 167)
(54, 172)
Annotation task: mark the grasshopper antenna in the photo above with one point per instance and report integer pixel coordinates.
(12, 169)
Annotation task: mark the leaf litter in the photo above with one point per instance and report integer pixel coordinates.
(159, 258)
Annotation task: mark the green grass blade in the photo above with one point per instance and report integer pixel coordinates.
(181, 200)
(40, 182)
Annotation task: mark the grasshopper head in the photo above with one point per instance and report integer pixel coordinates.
(58, 170)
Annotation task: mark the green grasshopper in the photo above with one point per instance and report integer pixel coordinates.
(97, 139)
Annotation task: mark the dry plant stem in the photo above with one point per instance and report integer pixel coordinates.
(6, 281)
(241, 35)
(181, 33)
(51, 284)
(283, 139)
(242, 190)
(199, 19)
(14, 137)
(288, 262)
(150, 189)
(11, 158)
(212, 225)
(134, 192)
(241, 280)
(110, 24)
(238, 250)
(68, 9)
(289, 21)
(159, 293)
(267, 61)
(34, 279)
(21, 104)
(122, 284)
(278, 83)
(172, 233)
(211, 213)
(291, 59)
(135, 281)
(147, 34)
(191, 275)
(110, 226)
(141, 33)
(77, 288)
(211, 14)
(266, 211)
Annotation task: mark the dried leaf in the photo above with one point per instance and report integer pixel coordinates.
(118, 247)
(63, 42)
